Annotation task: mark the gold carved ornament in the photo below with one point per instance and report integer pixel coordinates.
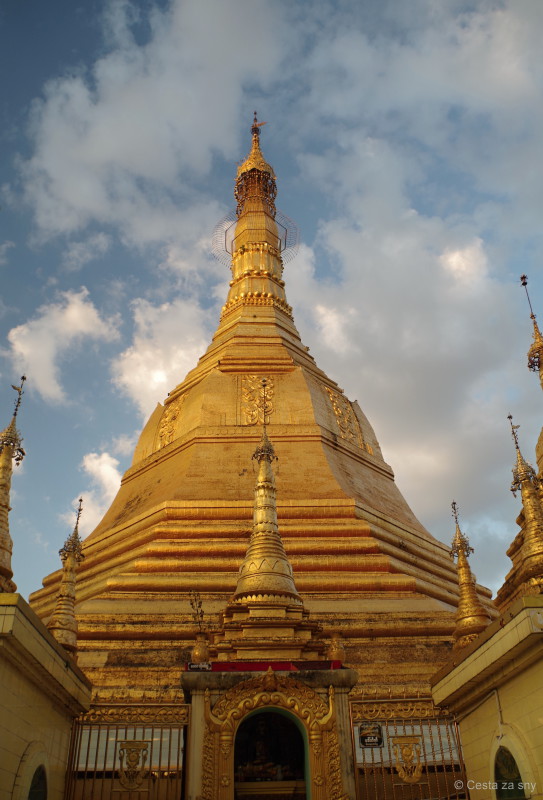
(168, 421)
(348, 425)
(142, 715)
(407, 754)
(256, 401)
(132, 758)
(408, 709)
(271, 690)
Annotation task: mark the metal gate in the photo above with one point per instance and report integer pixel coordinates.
(406, 750)
(128, 752)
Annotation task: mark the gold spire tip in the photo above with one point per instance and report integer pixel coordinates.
(524, 282)
(514, 429)
(20, 392)
(460, 542)
(454, 512)
(255, 127)
(73, 544)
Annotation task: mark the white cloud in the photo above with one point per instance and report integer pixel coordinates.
(102, 469)
(78, 254)
(168, 341)
(120, 145)
(37, 346)
(124, 445)
(4, 248)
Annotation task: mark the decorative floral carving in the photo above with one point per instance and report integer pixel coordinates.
(407, 754)
(176, 715)
(256, 404)
(168, 421)
(396, 710)
(132, 770)
(348, 425)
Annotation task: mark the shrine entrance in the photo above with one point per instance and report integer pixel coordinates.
(269, 758)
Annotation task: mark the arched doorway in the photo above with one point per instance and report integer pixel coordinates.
(509, 784)
(38, 787)
(269, 757)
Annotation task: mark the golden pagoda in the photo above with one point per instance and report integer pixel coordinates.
(366, 569)
(471, 616)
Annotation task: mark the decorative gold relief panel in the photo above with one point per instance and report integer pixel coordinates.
(407, 758)
(269, 690)
(348, 425)
(256, 403)
(168, 421)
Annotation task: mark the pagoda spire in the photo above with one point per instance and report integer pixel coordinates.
(471, 616)
(535, 363)
(535, 353)
(10, 450)
(63, 624)
(529, 558)
(258, 239)
(265, 575)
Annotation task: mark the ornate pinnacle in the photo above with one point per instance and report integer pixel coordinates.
(460, 542)
(535, 353)
(471, 616)
(522, 471)
(73, 544)
(10, 436)
(255, 178)
(63, 622)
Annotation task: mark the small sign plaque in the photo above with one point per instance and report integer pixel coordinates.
(370, 735)
(204, 667)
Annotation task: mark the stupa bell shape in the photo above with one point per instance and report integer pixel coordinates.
(182, 517)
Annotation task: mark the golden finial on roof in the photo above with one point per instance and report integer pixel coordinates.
(535, 353)
(526, 551)
(73, 544)
(471, 616)
(63, 623)
(255, 159)
(460, 542)
(10, 436)
(522, 471)
(255, 177)
(11, 449)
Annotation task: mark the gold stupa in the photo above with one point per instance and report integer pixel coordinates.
(365, 568)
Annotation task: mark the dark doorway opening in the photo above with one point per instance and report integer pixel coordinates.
(269, 758)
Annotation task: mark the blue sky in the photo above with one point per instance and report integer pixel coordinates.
(407, 142)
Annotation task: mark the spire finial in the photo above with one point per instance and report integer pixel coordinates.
(460, 541)
(73, 544)
(535, 353)
(522, 471)
(514, 429)
(255, 127)
(524, 282)
(20, 392)
(454, 512)
(63, 622)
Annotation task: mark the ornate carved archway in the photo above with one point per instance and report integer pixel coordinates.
(270, 690)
